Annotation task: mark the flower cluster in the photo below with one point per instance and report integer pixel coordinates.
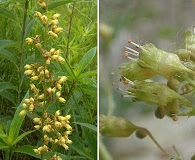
(176, 68)
(51, 126)
(47, 89)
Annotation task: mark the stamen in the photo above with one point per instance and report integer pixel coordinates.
(132, 53)
(126, 80)
(132, 50)
(135, 44)
(127, 56)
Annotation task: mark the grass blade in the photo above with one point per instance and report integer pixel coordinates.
(87, 125)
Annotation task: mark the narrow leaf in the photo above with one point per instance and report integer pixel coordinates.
(16, 123)
(79, 147)
(9, 56)
(8, 14)
(21, 136)
(6, 85)
(85, 61)
(26, 149)
(87, 125)
(4, 43)
(74, 99)
(88, 74)
(8, 96)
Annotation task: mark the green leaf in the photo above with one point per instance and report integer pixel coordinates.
(73, 100)
(3, 146)
(92, 143)
(21, 136)
(87, 58)
(8, 14)
(29, 27)
(89, 90)
(4, 43)
(87, 125)
(27, 149)
(3, 136)
(88, 74)
(16, 123)
(6, 85)
(78, 146)
(9, 56)
(4, 119)
(3, 1)
(8, 96)
(59, 3)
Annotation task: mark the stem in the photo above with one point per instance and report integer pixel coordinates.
(157, 144)
(20, 73)
(70, 26)
(104, 154)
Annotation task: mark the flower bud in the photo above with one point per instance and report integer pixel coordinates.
(37, 126)
(38, 45)
(24, 106)
(172, 108)
(116, 126)
(41, 96)
(27, 100)
(44, 19)
(141, 133)
(58, 94)
(133, 71)
(161, 62)
(50, 33)
(28, 72)
(54, 22)
(43, 5)
(54, 57)
(160, 112)
(27, 67)
(60, 59)
(22, 113)
(154, 93)
(58, 30)
(59, 87)
(173, 84)
(38, 14)
(56, 16)
(34, 78)
(29, 40)
(62, 100)
(57, 113)
(62, 79)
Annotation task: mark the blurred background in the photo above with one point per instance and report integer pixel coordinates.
(161, 22)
